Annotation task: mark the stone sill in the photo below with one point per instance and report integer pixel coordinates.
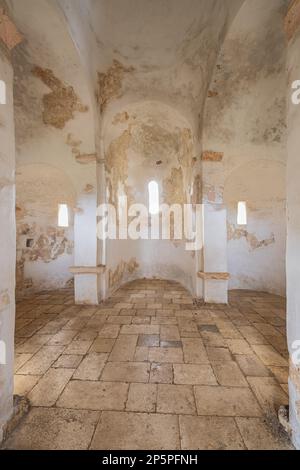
(213, 276)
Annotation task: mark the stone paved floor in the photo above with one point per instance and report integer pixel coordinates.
(150, 370)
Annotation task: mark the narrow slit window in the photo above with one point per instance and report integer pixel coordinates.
(2, 92)
(153, 197)
(242, 213)
(63, 215)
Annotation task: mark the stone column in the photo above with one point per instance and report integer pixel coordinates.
(293, 219)
(7, 241)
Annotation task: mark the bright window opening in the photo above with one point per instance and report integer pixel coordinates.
(153, 197)
(63, 215)
(2, 92)
(242, 213)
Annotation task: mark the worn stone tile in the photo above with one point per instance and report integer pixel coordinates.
(96, 323)
(78, 347)
(269, 356)
(148, 340)
(258, 434)
(54, 429)
(213, 339)
(109, 331)
(142, 397)
(169, 333)
(165, 355)
(86, 335)
(209, 433)
(126, 372)
(161, 373)
(137, 320)
(119, 320)
(135, 431)
(281, 373)
(175, 399)
(268, 392)
(194, 374)
(41, 361)
(266, 329)
(33, 344)
(90, 395)
(20, 360)
(140, 330)
(279, 343)
(226, 401)
(75, 324)
(124, 348)
(164, 321)
(229, 375)
(251, 365)
(23, 384)
(239, 346)
(141, 354)
(171, 344)
(102, 345)
(49, 387)
(62, 338)
(194, 351)
(252, 335)
(68, 361)
(218, 354)
(91, 367)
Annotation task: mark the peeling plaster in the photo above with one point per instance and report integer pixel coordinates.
(254, 243)
(292, 19)
(110, 83)
(4, 299)
(116, 276)
(61, 104)
(8, 31)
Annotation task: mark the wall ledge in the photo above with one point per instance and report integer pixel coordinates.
(87, 269)
(214, 276)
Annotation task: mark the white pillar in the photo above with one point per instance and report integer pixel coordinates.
(214, 277)
(7, 244)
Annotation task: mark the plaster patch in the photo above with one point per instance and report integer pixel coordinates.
(210, 156)
(117, 164)
(46, 244)
(110, 83)
(120, 118)
(8, 31)
(254, 243)
(61, 104)
(292, 19)
(173, 188)
(116, 276)
(4, 299)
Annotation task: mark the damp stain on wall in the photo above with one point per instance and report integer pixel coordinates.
(61, 104)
